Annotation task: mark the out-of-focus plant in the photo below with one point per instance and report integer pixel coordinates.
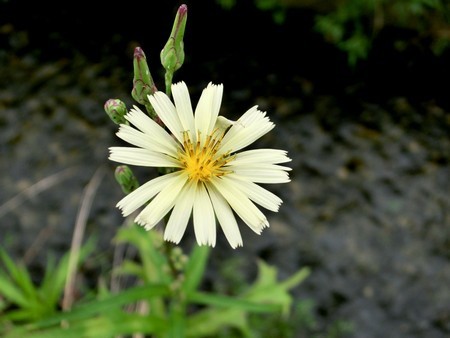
(276, 7)
(165, 301)
(23, 301)
(352, 25)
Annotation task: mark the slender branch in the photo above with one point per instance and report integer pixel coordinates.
(33, 190)
(78, 233)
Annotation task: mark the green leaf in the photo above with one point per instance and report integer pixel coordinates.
(109, 305)
(53, 284)
(177, 321)
(48, 286)
(266, 295)
(296, 279)
(12, 293)
(20, 276)
(268, 290)
(195, 268)
(330, 28)
(119, 323)
(146, 242)
(209, 322)
(223, 311)
(154, 263)
(21, 315)
(231, 302)
(130, 268)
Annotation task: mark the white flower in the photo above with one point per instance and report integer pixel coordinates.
(210, 178)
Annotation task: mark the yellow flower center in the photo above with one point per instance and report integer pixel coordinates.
(201, 161)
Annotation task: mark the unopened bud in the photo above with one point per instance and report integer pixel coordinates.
(125, 177)
(116, 110)
(143, 84)
(172, 55)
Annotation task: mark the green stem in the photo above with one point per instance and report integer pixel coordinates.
(177, 318)
(168, 80)
(177, 302)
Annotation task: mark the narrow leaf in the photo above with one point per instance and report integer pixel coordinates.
(195, 268)
(230, 302)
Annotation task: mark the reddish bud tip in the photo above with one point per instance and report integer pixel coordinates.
(139, 53)
(182, 10)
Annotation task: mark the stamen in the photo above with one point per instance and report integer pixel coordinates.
(201, 161)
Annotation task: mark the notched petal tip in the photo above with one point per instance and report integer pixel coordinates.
(135, 109)
(139, 221)
(236, 245)
(172, 240)
(264, 224)
(212, 84)
(212, 245)
(260, 227)
(179, 83)
(155, 96)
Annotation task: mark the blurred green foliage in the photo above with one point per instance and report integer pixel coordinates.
(352, 25)
(301, 321)
(21, 300)
(165, 299)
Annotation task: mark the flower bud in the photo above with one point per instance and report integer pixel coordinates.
(143, 84)
(116, 110)
(125, 177)
(172, 55)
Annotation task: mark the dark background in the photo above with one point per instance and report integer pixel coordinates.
(368, 205)
(217, 38)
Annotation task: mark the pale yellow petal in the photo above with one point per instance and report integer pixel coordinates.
(207, 110)
(204, 220)
(256, 156)
(146, 141)
(145, 124)
(142, 157)
(179, 218)
(167, 113)
(242, 205)
(183, 106)
(256, 193)
(250, 127)
(144, 193)
(162, 203)
(225, 217)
